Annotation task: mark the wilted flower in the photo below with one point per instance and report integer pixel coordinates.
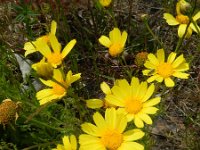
(115, 42)
(8, 111)
(160, 70)
(108, 133)
(140, 58)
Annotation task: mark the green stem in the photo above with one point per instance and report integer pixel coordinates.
(154, 36)
(43, 124)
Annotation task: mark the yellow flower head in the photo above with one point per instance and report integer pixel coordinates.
(183, 21)
(43, 69)
(29, 46)
(53, 52)
(105, 3)
(69, 143)
(160, 70)
(134, 100)
(97, 103)
(115, 42)
(108, 133)
(58, 87)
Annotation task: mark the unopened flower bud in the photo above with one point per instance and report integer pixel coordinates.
(185, 7)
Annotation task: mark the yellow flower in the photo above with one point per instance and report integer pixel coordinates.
(183, 21)
(69, 143)
(105, 3)
(58, 88)
(115, 42)
(97, 103)
(133, 100)
(53, 52)
(160, 70)
(29, 46)
(43, 69)
(108, 133)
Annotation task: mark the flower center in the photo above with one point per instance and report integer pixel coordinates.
(115, 49)
(182, 19)
(112, 139)
(58, 89)
(133, 106)
(165, 70)
(55, 58)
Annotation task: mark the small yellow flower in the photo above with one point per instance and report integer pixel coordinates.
(53, 52)
(108, 133)
(115, 42)
(58, 88)
(43, 69)
(98, 103)
(29, 46)
(133, 100)
(182, 21)
(105, 3)
(160, 70)
(69, 143)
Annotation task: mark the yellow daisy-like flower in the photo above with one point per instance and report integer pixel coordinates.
(134, 100)
(105, 3)
(53, 52)
(29, 46)
(58, 88)
(183, 21)
(98, 103)
(115, 42)
(108, 133)
(160, 70)
(69, 143)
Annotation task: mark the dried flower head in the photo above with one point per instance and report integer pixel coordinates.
(8, 111)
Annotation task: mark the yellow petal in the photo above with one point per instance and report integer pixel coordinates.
(29, 47)
(44, 93)
(131, 146)
(121, 122)
(110, 118)
(179, 60)
(197, 16)
(149, 110)
(54, 43)
(138, 122)
(43, 48)
(152, 78)
(151, 102)
(66, 142)
(169, 82)
(115, 35)
(181, 75)
(160, 55)
(171, 57)
(105, 88)
(145, 118)
(148, 93)
(141, 90)
(90, 129)
(149, 65)
(99, 121)
(48, 99)
(152, 58)
(94, 103)
(114, 100)
(133, 135)
(170, 19)
(182, 30)
(53, 27)
(124, 38)
(195, 27)
(105, 41)
(182, 67)
(57, 75)
(73, 142)
(85, 139)
(68, 48)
